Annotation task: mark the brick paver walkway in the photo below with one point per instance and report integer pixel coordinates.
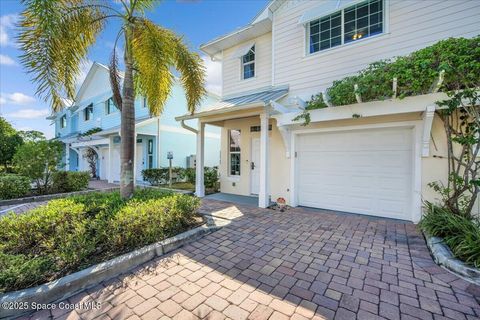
(302, 264)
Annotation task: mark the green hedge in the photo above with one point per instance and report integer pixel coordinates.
(460, 233)
(67, 235)
(69, 181)
(13, 186)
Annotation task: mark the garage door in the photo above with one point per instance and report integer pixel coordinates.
(364, 171)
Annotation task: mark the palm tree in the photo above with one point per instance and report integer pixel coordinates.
(55, 36)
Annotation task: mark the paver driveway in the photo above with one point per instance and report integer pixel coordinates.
(302, 264)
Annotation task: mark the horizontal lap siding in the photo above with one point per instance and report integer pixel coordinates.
(231, 67)
(412, 25)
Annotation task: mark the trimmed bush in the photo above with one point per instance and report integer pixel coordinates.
(139, 224)
(159, 176)
(211, 177)
(460, 233)
(68, 181)
(71, 234)
(13, 186)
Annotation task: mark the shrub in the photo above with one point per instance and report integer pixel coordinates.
(141, 223)
(210, 176)
(38, 160)
(20, 271)
(460, 233)
(68, 181)
(159, 176)
(13, 186)
(59, 228)
(70, 234)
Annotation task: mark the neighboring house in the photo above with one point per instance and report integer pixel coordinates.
(379, 164)
(93, 121)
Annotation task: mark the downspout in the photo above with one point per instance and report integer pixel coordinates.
(187, 127)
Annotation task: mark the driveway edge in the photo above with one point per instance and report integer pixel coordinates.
(443, 256)
(67, 286)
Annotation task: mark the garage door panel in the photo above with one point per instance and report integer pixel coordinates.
(367, 171)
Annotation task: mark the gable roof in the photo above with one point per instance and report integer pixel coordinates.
(261, 24)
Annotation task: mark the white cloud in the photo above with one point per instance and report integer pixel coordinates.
(16, 98)
(28, 114)
(7, 23)
(214, 75)
(6, 60)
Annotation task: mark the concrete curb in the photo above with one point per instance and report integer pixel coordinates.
(71, 284)
(52, 196)
(443, 256)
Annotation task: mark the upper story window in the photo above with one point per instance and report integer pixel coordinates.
(88, 112)
(110, 106)
(354, 23)
(234, 152)
(248, 64)
(63, 121)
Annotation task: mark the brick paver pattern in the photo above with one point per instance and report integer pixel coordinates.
(301, 264)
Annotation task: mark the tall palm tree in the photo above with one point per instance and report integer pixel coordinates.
(55, 37)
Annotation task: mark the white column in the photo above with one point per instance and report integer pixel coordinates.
(263, 196)
(199, 183)
(110, 159)
(159, 159)
(67, 157)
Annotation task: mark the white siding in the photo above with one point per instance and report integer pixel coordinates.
(232, 72)
(411, 25)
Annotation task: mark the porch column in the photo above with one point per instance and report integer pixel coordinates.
(67, 157)
(199, 183)
(110, 159)
(263, 196)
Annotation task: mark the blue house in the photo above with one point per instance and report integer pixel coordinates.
(93, 121)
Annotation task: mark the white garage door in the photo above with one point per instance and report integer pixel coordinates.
(364, 171)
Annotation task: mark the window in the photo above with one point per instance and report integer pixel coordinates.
(110, 106)
(234, 152)
(88, 112)
(63, 121)
(150, 153)
(359, 21)
(248, 64)
(259, 128)
(144, 105)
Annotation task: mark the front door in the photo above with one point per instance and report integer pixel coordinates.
(255, 166)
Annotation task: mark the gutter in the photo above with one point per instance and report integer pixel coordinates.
(184, 126)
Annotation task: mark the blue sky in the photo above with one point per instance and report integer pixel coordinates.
(197, 20)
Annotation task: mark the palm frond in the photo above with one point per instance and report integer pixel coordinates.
(192, 74)
(115, 80)
(153, 53)
(55, 40)
(156, 51)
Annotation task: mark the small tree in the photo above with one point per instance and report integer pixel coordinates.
(10, 140)
(38, 160)
(92, 156)
(31, 135)
(461, 119)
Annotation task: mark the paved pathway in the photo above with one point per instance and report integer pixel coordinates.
(302, 264)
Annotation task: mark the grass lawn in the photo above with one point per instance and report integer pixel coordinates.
(70, 234)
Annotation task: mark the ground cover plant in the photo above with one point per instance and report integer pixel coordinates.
(70, 234)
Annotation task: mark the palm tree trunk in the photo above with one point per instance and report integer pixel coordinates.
(127, 129)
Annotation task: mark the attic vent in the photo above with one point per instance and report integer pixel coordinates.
(258, 128)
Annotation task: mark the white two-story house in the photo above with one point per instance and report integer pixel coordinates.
(93, 122)
(377, 163)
